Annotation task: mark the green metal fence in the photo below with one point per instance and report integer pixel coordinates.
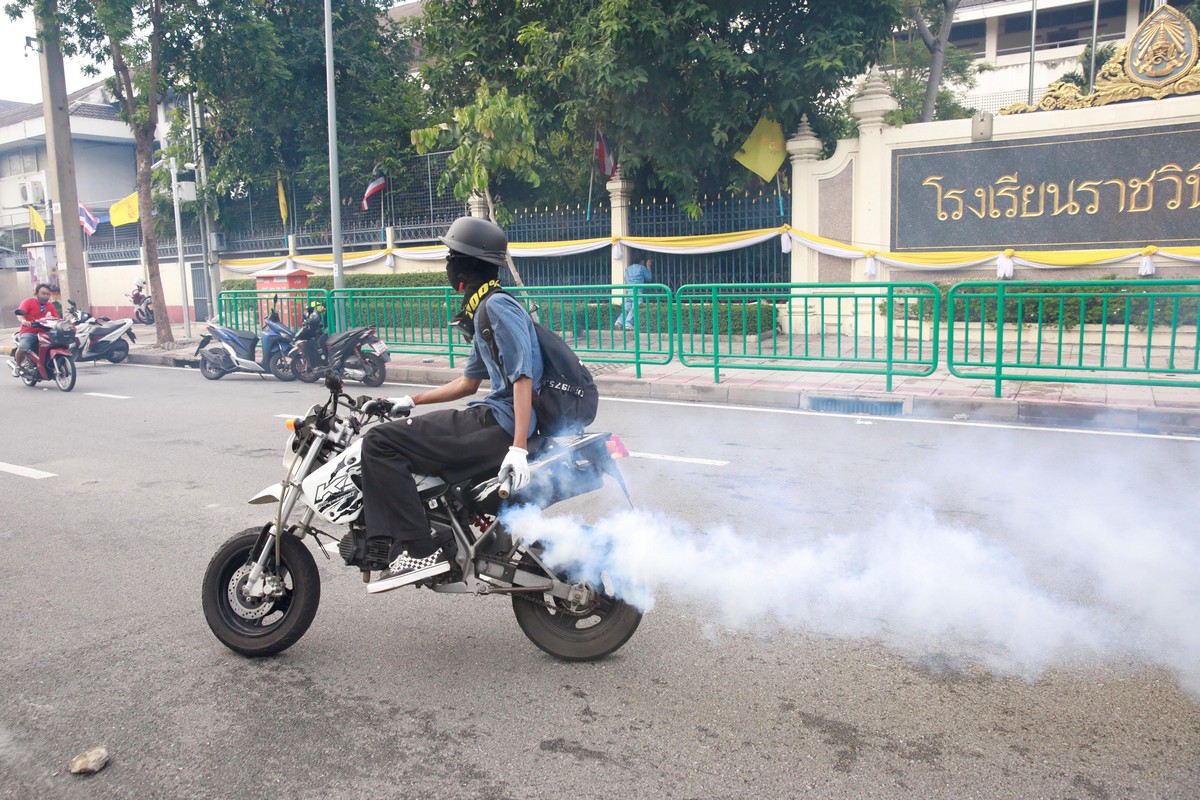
(245, 310)
(842, 327)
(1113, 332)
(408, 320)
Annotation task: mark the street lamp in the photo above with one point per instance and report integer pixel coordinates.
(187, 322)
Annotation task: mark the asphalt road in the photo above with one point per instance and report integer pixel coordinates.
(843, 608)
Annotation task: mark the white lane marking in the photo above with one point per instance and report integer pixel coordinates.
(905, 420)
(110, 396)
(26, 472)
(682, 459)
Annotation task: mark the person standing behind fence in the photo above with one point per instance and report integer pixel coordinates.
(635, 273)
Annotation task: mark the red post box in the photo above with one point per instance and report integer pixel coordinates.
(281, 284)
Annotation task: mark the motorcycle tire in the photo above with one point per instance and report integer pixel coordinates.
(575, 637)
(119, 352)
(302, 372)
(29, 377)
(149, 315)
(374, 370)
(210, 370)
(280, 367)
(64, 372)
(260, 627)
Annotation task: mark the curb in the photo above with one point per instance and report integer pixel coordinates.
(1185, 421)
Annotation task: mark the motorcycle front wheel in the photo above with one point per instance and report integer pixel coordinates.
(209, 370)
(64, 372)
(280, 367)
(374, 370)
(119, 352)
(573, 634)
(258, 627)
(301, 371)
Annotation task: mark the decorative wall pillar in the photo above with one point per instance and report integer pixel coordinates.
(803, 149)
(478, 206)
(619, 192)
(871, 208)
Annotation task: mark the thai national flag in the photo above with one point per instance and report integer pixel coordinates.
(88, 220)
(377, 185)
(604, 157)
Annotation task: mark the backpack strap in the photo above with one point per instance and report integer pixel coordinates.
(483, 329)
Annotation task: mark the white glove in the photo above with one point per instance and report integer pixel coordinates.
(401, 406)
(516, 468)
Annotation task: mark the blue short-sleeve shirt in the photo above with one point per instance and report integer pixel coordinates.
(516, 340)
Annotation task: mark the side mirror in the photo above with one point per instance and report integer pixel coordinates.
(71, 303)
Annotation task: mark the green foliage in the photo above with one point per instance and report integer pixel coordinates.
(675, 85)
(907, 76)
(412, 280)
(1081, 75)
(1049, 306)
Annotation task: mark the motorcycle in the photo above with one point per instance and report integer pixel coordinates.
(261, 589)
(357, 354)
(236, 350)
(97, 338)
(143, 307)
(52, 360)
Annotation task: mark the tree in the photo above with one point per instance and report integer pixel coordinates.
(675, 85)
(907, 76)
(128, 34)
(1081, 76)
(259, 67)
(924, 14)
(490, 137)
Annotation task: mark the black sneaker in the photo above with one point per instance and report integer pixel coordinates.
(406, 569)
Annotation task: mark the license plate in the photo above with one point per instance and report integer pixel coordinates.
(379, 347)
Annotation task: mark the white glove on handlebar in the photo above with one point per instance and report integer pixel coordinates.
(401, 406)
(516, 466)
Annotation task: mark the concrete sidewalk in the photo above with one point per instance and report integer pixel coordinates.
(940, 396)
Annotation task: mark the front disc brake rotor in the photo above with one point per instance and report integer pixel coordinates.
(246, 607)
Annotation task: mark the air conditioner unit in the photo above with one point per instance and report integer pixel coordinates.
(32, 192)
(216, 240)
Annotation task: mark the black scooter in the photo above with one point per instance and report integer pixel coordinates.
(356, 354)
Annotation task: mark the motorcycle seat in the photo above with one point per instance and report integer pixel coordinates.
(107, 328)
(483, 470)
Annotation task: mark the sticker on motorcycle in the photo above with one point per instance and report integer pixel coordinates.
(336, 488)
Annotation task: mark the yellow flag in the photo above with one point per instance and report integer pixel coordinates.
(763, 153)
(282, 198)
(124, 211)
(37, 223)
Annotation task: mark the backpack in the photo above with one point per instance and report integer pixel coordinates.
(567, 399)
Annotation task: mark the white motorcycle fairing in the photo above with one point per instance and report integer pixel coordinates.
(334, 490)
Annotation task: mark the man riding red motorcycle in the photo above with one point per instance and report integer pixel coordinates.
(31, 310)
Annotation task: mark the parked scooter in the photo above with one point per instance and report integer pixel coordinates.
(356, 354)
(52, 361)
(97, 338)
(236, 350)
(143, 306)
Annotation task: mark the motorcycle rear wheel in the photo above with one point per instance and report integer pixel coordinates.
(208, 369)
(260, 627)
(29, 377)
(64, 372)
(572, 637)
(119, 351)
(301, 371)
(280, 367)
(374, 370)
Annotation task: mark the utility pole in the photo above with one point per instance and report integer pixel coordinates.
(335, 190)
(64, 206)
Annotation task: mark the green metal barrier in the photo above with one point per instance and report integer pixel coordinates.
(1114, 332)
(831, 327)
(408, 320)
(245, 310)
(622, 324)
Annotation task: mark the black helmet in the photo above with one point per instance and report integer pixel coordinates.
(477, 237)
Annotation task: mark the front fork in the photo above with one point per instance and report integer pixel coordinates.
(256, 584)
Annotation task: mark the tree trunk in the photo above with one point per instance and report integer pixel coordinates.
(487, 194)
(937, 61)
(144, 150)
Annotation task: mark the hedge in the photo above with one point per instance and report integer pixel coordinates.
(372, 280)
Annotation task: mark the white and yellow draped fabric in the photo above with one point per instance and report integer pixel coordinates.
(1004, 260)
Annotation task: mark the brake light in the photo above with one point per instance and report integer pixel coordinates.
(370, 331)
(616, 448)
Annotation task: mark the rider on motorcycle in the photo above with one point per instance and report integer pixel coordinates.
(498, 426)
(34, 308)
(139, 291)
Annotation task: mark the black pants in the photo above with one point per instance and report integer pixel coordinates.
(429, 444)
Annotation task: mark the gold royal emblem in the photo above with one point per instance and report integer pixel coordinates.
(1164, 47)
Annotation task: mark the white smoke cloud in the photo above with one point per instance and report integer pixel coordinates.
(1089, 585)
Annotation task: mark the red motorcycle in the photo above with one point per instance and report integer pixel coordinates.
(52, 361)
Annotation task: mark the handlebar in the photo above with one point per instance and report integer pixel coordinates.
(505, 482)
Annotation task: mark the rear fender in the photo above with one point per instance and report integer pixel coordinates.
(204, 340)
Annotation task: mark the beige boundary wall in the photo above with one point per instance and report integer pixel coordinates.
(846, 197)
